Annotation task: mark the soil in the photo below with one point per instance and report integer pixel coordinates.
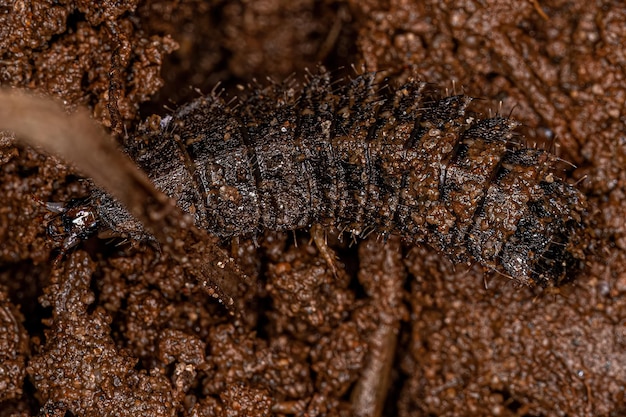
(119, 329)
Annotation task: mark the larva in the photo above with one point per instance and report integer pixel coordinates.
(362, 157)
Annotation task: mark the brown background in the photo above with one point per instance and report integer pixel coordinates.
(120, 331)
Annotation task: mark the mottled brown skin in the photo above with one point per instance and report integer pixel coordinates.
(366, 157)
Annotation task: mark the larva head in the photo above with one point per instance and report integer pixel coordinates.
(75, 222)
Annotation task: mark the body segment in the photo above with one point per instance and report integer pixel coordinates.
(365, 157)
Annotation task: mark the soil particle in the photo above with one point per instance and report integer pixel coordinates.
(308, 300)
(26, 174)
(79, 348)
(283, 33)
(175, 345)
(13, 349)
(238, 357)
(244, 401)
(508, 349)
(231, 42)
(337, 358)
(84, 53)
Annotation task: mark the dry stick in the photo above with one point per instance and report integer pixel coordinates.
(382, 273)
(370, 393)
(76, 138)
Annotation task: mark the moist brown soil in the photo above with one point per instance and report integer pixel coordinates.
(116, 329)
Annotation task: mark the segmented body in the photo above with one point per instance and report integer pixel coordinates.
(365, 157)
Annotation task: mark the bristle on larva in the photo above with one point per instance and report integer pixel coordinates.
(363, 156)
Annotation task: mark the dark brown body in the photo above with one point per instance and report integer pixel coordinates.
(366, 158)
